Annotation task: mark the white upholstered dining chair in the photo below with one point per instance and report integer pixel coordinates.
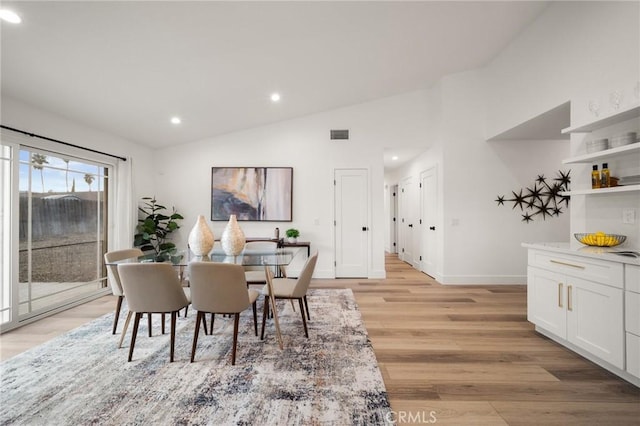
(220, 288)
(292, 289)
(152, 288)
(114, 278)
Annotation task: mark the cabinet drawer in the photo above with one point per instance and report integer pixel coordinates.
(600, 271)
(632, 312)
(633, 354)
(632, 278)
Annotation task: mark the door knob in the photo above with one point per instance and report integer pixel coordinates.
(411, 225)
(432, 228)
(364, 228)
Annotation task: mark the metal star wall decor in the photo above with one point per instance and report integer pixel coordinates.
(542, 199)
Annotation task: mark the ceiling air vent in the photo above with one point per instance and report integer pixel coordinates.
(339, 134)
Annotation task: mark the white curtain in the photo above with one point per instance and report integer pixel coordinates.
(125, 208)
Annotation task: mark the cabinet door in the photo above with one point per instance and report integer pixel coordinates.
(633, 354)
(546, 300)
(595, 319)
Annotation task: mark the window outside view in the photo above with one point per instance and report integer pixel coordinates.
(62, 236)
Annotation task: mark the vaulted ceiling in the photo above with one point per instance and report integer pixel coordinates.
(128, 67)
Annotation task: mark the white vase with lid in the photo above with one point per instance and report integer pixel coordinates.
(232, 238)
(201, 238)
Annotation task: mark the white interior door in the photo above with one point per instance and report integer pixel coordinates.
(428, 230)
(394, 219)
(405, 221)
(351, 222)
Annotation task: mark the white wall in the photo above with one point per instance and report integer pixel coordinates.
(183, 172)
(566, 54)
(577, 51)
(573, 51)
(479, 241)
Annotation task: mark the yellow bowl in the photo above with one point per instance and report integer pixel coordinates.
(600, 239)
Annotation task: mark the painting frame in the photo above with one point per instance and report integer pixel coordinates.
(253, 194)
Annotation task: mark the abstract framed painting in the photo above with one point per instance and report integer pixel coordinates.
(252, 193)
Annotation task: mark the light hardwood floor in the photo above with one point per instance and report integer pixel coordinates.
(460, 355)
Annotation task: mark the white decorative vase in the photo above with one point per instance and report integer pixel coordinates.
(232, 238)
(201, 238)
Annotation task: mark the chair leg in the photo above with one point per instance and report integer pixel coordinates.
(235, 338)
(149, 321)
(162, 320)
(304, 318)
(174, 316)
(255, 318)
(124, 330)
(264, 315)
(306, 306)
(199, 318)
(204, 323)
(213, 317)
(117, 313)
(186, 310)
(134, 333)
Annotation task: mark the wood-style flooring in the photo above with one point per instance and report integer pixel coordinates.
(458, 355)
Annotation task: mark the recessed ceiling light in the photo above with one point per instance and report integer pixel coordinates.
(9, 16)
(394, 158)
(176, 120)
(275, 97)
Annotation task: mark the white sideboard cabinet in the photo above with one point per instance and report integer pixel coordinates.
(632, 318)
(586, 312)
(587, 302)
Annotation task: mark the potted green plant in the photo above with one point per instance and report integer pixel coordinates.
(155, 226)
(292, 235)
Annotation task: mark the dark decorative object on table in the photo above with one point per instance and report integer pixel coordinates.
(154, 227)
(542, 198)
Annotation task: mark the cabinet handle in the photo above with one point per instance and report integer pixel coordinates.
(567, 264)
(569, 301)
(559, 295)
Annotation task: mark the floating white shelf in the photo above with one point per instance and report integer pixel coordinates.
(614, 190)
(621, 151)
(632, 111)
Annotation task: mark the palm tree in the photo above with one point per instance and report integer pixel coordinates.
(66, 176)
(38, 160)
(89, 178)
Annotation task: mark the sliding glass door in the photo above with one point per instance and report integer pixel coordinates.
(6, 218)
(54, 227)
(62, 230)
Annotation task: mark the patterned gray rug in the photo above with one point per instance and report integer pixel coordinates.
(332, 378)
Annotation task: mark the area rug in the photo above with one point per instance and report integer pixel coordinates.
(82, 378)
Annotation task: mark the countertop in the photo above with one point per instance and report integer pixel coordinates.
(577, 249)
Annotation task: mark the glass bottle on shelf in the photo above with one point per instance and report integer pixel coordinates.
(595, 178)
(605, 177)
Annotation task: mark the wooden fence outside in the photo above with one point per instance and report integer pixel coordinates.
(64, 234)
(54, 216)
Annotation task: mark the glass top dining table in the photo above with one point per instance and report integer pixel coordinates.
(277, 257)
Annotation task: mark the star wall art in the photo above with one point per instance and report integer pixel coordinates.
(542, 198)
